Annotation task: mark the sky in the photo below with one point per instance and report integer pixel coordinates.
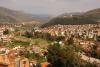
(51, 7)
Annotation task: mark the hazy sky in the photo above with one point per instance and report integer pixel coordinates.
(53, 7)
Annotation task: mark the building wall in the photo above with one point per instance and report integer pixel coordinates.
(1, 65)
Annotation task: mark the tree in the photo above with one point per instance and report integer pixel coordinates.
(28, 34)
(6, 31)
(60, 38)
(29, 55)
(70, 41)
(64, 56)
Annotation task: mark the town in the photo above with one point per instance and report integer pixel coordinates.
(20, 47)
(49, 33)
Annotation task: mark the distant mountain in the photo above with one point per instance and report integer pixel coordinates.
(12, 16)
(93, 14)
(95, 11)
(42, 18)
(70, 14)
(89, 17)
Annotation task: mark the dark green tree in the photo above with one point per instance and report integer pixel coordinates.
(64, 56)
(70, 40)
(28, 34)
(6, 31)
(29, 55)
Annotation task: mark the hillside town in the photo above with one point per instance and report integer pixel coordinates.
(49, 33)
(21, 48)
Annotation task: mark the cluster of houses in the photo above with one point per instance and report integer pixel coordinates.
(6, 61)
(80, 32)
(11, 58)
(84, 31)
(85, 35)
(10, 27)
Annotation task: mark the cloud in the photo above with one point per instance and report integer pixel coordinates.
(54, 7)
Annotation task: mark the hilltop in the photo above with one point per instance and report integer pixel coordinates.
(13, 16)
(89, 17)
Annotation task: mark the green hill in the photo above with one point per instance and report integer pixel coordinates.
(93, 14)
(12, 16)
(90, 17)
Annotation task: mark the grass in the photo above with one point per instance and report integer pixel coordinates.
(24, 41)
(17, 43)
(21, 37)
(40, 42)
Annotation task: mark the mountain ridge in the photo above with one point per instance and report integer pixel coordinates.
(14, 16)
(89, 17)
